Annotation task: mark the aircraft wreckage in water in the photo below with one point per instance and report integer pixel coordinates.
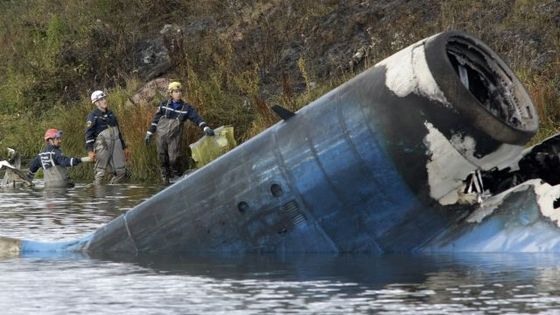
(376, 165)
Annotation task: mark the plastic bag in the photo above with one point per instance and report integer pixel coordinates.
(209, 148)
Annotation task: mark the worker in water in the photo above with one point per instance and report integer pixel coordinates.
(104, 142)
(53, 162)
(167, 123)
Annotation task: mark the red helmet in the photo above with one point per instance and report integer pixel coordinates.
(52, 134)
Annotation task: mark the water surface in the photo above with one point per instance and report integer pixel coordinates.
(250, 284)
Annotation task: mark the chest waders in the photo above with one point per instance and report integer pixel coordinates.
(169, 147)
(109, 156)
(57, 177)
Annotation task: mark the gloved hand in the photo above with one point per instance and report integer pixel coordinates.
(147, 138)
(91, 155)
(208, 131)
(85, 159)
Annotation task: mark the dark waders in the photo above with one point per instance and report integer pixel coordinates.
(169, 148)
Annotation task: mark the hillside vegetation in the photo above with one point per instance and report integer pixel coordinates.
(237, 58)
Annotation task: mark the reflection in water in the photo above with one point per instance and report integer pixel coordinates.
(295, 284)
(55, 214)
(61, 283)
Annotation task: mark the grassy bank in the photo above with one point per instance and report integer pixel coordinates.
(237, 57)
(25, 131)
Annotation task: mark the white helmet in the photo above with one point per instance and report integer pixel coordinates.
(97, 95)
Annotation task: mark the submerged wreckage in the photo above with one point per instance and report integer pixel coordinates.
(377, 165)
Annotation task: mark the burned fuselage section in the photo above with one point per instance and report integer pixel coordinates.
(541, 161)
(480, 119)
(491, 84)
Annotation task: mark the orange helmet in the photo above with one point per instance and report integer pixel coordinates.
(52, 134)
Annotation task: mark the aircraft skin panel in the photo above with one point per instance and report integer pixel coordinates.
(513, 221)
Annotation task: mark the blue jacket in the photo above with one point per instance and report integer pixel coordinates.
(97, 121)
(176, 110)
(50, 157)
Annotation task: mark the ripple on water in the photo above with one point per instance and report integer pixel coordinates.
(58, 283)
(40, 214)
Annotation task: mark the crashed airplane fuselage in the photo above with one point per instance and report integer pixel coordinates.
(376, 165)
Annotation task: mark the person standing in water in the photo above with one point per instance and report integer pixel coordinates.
(53, 162)
(168, 123)
(104, 142)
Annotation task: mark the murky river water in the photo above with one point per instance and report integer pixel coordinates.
(303, 284)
